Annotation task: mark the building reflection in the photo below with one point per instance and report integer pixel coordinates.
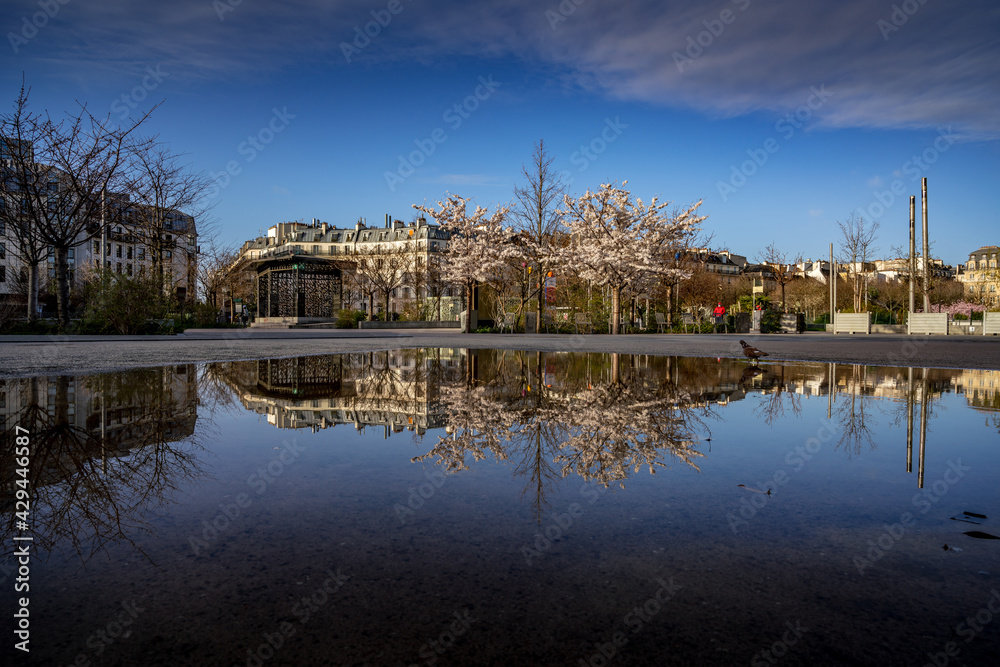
(602, 417)
(105, 450)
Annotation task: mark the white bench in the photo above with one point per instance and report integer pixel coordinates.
(991, 324)
(927, 323)
(852, 323)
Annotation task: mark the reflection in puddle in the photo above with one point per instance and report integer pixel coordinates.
(480, 507)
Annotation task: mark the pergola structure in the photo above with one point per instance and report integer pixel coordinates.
(294, 288)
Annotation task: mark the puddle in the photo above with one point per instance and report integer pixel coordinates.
(489, 507)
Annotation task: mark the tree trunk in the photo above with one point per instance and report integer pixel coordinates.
(387, 305)
(32, 291)
(468, 307)
(62, 285)
(616, 316)
(540, 301)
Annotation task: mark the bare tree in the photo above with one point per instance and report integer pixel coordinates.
(857, 247)
(168, 202)
(22, 185)
(700, 290)
(780, 267)
(382, 268)
(214, 267)
(535, 214)
(71, 169)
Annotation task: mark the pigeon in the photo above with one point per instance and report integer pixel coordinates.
(752, 353)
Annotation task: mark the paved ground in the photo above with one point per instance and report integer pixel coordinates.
(55, 355)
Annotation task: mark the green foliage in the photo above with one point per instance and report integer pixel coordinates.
(348, 319)
(117, 303)
(24, 328)
(204, 315)
(747, 302)
(770, 321)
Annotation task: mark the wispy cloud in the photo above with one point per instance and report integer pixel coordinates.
(939, 68)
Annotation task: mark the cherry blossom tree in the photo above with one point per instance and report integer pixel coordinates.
(619, 242)
(480, 250)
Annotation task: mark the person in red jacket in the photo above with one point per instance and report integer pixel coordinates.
(720, 317)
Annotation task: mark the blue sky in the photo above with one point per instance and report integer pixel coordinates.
(784, 116)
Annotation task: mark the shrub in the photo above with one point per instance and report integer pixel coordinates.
(121, 303)
(770, 321)
(348, 319)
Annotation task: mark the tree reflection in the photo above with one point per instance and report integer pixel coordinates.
(611, 416)
(107, 452)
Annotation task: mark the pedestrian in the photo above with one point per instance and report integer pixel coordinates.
(720, 317)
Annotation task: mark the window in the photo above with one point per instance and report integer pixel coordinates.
(3, 227)
(128, 254)
(71, 254)
(128, 269)
(315, 249)
(118, 251)
(168, 224)
(169, 254)
(141, 253)
(118, 267)
(3, 250)
(97, 247)
(3, 274)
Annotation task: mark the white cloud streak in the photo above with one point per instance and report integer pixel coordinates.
(941, 67)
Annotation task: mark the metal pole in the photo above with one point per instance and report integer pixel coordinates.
(833, 296)
(927, 251)
(909, 417)
(913, 248)
(924, 404)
